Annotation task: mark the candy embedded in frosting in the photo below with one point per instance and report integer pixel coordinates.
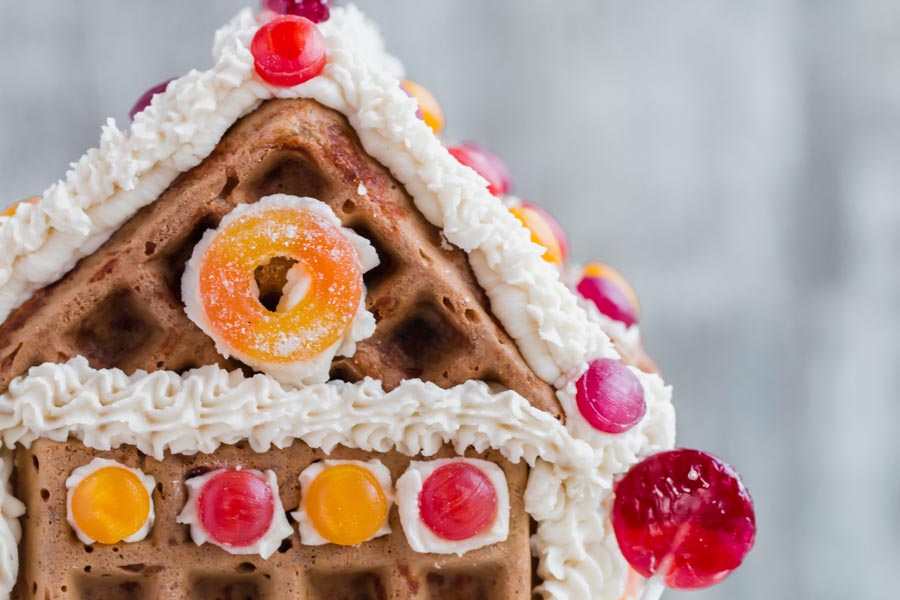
(109, 503)
(238, 510)
(11, 209)
(485, 163)
(145, 100)
(611, 293)
(683, 518)
(288, 51)
(344, 502)
(430, 109)
(610, 397)
(316, 11)
(545, 231)
(321, 309)
(452, 506)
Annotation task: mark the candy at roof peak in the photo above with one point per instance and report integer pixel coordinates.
(288, 51)
(684, 517)
(316, 11)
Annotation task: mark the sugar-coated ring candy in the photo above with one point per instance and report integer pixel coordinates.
(685, 517)
(145, 100)
(316, 11)
(288, 51)
(11, 209)
(485, 163)
(458, 501)
(430, 109)
(229, 293)
(545, 231)
(610, 397)
(236, 508)
(346, 504)
(110, 504)
(610, 292)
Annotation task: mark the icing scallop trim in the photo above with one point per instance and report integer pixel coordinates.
(208, 407)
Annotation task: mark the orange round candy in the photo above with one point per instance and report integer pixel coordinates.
(596, 269)
(346, 504)
(11, 210)
(110, 504)
(542, 232)
(429, 107)
(230, 295)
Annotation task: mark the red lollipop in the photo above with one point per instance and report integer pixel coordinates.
(684, 519)
(288, 50)
(236, 508)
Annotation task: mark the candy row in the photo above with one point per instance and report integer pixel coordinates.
(447, 506)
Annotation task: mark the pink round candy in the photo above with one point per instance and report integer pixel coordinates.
(236, 508)
(458, 501)
(684, 516)
(145, 100)
(609, 299)
(316, 11)
(485, 163)
(610, 397)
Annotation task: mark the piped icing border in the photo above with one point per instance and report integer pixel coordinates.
(208, 407)
(181, 127)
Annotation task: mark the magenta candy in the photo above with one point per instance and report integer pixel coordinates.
(610, 397)
(316, 11)
(485, 163)
(609, 299)
(458, 501)
(145, 100)
(684, 516)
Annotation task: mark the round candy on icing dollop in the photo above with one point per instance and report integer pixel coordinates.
(485, 163)
(108, 503)
(458, 501)
(610, 292)
(236, 508)
(430, 109)
(316, 11)
(685, 517)
(288, 51)
(610, 397)
(145, 100)
(545, 231)
(346, 504)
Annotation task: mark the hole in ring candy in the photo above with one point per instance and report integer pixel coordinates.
(238, 510)
(684, 519)
(452, 506)
(345, 502)
(322, 305)
(108, 502)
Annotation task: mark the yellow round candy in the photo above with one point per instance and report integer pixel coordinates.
(11, 210)
(346, 504)
(110, 504)
(431, 110)
(604, 271)
(541, 233)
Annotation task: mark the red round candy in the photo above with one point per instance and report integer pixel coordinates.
(610, 397)
(485, 163)
(609, 299)
(316, 11)
(686, 516)
(288, 50)
(458, 501)
(145, 100)
(236, 508)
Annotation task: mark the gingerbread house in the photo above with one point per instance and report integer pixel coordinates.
(256, 344)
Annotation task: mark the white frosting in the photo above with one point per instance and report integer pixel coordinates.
(78, 475)
(197, 413)
(309, 535)
(420, 537)
(314, 370)
(265, 546)
(11, 509)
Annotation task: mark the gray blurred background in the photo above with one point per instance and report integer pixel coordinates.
(738, 161)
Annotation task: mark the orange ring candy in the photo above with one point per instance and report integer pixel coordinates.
(229, 294)
(11, 209)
